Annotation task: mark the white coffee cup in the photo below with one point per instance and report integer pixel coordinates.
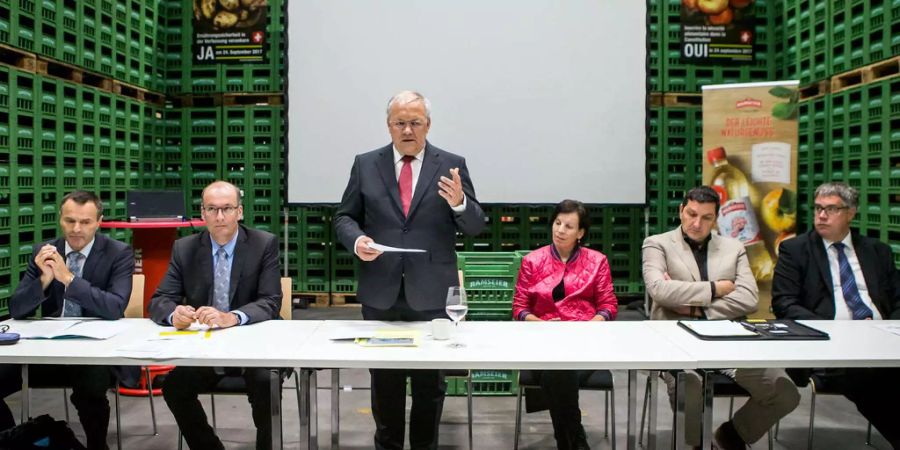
(440, 329)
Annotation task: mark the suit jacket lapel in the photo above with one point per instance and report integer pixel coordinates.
(389, 176)
(712, 257)
(204, 263)
(867, 260)
(684, 252)
(430, 165)
(237, 263)
(821, 260)
(98, 251)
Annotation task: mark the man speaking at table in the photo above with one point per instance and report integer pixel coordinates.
(692, 273)
(81, 274)
(223, 277)
(830, 273)
(408, 194)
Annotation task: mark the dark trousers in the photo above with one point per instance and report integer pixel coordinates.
(559, 394)
(389, 391)
(876, 393)
(183, 386)
(89, 385)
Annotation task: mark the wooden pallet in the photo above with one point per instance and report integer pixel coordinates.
(675, 100)
(253, 99)
(48, 67)
(867, 74)
(815, 90)
(318, 299)
(339, 299)
(214, 100)
(17, 57)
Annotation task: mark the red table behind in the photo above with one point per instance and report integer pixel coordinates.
(153, 240)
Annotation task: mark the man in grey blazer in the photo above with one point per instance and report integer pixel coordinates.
(224, 276)
(692, 273)
(407, 194)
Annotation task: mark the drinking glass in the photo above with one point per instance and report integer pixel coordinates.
(457, 307)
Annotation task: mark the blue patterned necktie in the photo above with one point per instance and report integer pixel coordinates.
(75, 263)
(221, 281)
(858, 309)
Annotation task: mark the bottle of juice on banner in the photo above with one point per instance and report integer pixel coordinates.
(736, 216)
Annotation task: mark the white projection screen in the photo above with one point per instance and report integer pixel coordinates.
(546, 99)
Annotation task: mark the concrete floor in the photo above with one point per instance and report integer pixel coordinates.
(838, 424)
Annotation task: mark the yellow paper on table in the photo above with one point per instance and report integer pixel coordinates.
(391, 338)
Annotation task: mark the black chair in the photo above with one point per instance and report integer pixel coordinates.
(600, 380)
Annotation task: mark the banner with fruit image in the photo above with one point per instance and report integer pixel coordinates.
(717, 30)
(750, 159)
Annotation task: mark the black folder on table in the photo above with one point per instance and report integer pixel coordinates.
(756, 330)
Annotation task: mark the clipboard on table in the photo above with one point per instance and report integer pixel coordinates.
(752, 330)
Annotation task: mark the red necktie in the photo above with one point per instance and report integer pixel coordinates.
(405, 182)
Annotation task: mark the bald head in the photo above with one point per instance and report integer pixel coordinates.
(222, 188)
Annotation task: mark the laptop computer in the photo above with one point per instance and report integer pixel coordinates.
(155, 206)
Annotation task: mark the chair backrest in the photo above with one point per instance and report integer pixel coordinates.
(135, 307)
(285, 312)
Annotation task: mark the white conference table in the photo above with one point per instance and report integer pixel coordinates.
(271, 344)
(631, 346)
(627, 346)
(852, 343)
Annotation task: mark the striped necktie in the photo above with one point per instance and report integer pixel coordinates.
(74, 261)
(222, 281)
(858, 309)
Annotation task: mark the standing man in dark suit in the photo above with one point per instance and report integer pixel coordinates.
(407, 194)
(81, 274)
(831, 273)
(223, 277)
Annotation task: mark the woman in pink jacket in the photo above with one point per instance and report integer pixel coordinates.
(565, 281)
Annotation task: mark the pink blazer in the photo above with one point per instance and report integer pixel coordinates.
(588, 286)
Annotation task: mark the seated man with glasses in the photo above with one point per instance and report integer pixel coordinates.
(832, 273)
(222, 277)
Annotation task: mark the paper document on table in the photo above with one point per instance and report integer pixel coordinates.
(391, 338)
(895, 329)
(716, 328)
(64, 329)
(164, 348)
(385, 248)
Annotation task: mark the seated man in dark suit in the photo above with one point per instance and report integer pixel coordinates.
(831, 273)
(81, 274)
(222, 277)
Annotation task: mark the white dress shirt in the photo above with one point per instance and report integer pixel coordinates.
(841, 310)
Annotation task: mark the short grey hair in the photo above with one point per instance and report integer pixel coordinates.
(848, 195)
(405, 97)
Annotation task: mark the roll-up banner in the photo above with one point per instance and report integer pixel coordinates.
(750, 159)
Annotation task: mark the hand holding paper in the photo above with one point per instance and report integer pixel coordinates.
(385, 248)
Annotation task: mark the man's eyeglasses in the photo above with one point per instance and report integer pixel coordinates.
(214, 211)
(400, 126)
(829, 210)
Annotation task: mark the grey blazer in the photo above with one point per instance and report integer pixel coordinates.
(726, 260)
(371, 206)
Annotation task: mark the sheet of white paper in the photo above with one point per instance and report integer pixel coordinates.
(385, 248)
(53, 329)
(39, 329)
(97, 329)
(717, 328)
(367, 330)
(895, 329)
(163, 349)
